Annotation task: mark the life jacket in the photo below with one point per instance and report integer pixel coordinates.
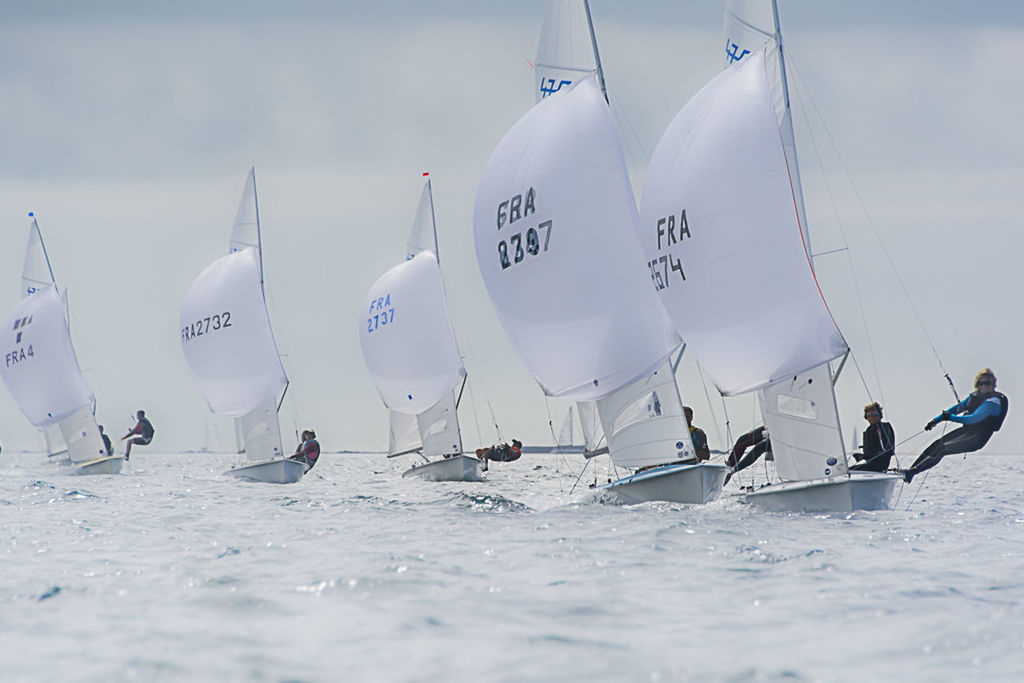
(993, 422)
(311, 449)
(517, 451)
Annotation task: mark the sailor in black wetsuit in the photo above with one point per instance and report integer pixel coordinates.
(502, 453)
(142, 431)
(879, 442)
(757, 441)
(984, 411)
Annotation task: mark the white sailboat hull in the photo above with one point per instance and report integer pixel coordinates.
(859, 491)
(274, 471)
(455, 468)
(109, 464)
(693, 484)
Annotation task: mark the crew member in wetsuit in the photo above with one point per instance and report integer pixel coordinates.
(740, 458)
(502, 453)
(983, 414)
(697, 435)
(143, 428)
(878, 442)
(308, 451)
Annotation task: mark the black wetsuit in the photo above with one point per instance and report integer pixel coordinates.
(756, 441)
(504, 453)
(966, 439)
(879, 446)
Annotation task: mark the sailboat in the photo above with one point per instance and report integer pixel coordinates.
(722, 219)
(409, 347)
(230, 348)
(552, 228)
(41, 370)
(575, 304)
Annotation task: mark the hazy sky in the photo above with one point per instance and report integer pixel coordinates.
(130, 134)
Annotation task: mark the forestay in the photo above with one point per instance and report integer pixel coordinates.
(226, 336)
(721, 232)
(407, 337)
(566, 50)
(552, 222)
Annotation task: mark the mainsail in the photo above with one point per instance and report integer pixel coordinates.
(719, 217)
(228, 341)
(567, 51)
(409, 346)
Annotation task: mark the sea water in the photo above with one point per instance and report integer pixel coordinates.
(171, 571)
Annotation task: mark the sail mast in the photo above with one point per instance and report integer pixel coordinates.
(597, 55)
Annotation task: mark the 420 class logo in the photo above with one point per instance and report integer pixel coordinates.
(207, 325)
(512, 250)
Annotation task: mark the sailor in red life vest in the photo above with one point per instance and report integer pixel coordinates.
(142, 431)
(502, 453)
(983, 414)
(309, 450)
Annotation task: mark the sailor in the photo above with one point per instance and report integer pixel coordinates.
(502, 453)
(756, 440)
(878, 442)
(143, 429)
(983, 413)
(697, 435)
(309, 450)
(107, 446)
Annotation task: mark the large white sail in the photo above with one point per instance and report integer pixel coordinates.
(723, 239)
(567, 51)
(260, 431)
(226, 336)
(644, 421)
(403, 433)
(245, 232)
(590, 425)
(439, 428)
(407, 337)
(551, 225)
(750, 26)
(36, 272)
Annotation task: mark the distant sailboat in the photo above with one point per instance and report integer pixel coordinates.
(41, 370)
(409, 347)
(229, 347)
(722, 218)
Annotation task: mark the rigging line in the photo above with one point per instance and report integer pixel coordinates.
(586, 464)
(707, 397)
(874, 229)
(476, 417)
(864, 381)
(846, 243)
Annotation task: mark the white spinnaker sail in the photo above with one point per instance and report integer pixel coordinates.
(644, 421)
(551, 226)
(39, 368)
(750, 26)
(423, 236)
(802, 420)
(36, 272)
(226, 336)
(718, 210)
(407, 337)
(566, 52)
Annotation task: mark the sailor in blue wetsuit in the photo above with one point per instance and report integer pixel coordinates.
(983, 414)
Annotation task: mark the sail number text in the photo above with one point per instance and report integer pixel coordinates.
(21, 353)
(670, 232)
(381, 313)
(515, 248)
(207, 325)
